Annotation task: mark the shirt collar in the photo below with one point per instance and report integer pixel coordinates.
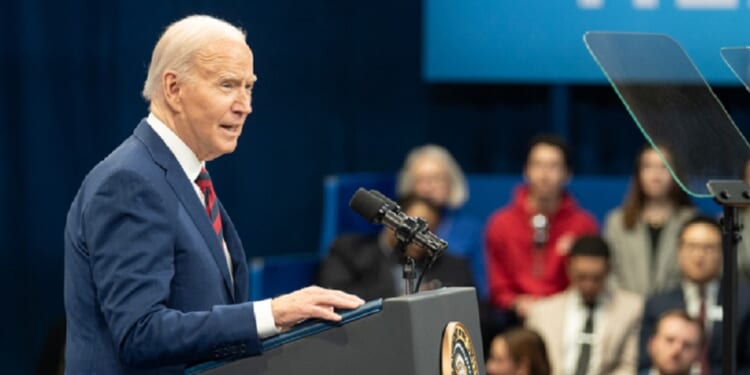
(691, 289)
(602, 299)
(184, 155)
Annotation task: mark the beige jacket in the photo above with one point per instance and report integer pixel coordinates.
(631, 254)
(621, 317)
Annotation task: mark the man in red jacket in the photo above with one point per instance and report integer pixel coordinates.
(527, 241)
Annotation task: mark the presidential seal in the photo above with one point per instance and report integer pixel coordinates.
(458, 356)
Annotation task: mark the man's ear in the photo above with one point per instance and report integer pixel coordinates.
(172, 90)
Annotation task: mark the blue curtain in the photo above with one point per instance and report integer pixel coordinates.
(339, 91)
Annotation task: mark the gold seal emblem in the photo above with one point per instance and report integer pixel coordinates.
(458, 356)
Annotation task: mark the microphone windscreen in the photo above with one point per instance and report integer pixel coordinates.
(366, 205)
(382, 197)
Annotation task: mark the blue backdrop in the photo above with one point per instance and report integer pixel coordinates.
(541, 40)
(340, 91)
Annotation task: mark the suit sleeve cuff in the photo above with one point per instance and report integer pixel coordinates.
(264, 319)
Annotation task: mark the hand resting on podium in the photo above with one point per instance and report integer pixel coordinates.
(311, 302)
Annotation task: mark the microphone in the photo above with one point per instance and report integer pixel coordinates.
(540, 225)
(376, 208)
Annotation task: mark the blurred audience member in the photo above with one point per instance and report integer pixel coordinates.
(519, 351)
(589, 329)
(368, 266)
(699, 256)
(643, 231)
(432, 173)
(675, 345)
(527, 241)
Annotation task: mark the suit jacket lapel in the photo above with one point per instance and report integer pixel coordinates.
(643, 259)
(237, 255)
(666, 253)
(186, 194)
(609, 314)
(679, 298)
(558, 329)
(715, 344)
(635, 265)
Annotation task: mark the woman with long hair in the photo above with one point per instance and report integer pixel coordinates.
(642, 233)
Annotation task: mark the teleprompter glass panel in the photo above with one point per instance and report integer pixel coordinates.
(673, 106)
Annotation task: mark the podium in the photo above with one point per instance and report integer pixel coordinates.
(404, 338)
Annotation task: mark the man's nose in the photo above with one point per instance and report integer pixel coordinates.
(242, 104)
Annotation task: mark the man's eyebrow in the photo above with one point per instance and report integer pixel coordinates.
(228, 76)
(225, 76)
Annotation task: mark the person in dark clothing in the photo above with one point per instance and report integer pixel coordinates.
(368, 266)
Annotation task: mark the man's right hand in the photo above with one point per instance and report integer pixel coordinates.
(311, 302)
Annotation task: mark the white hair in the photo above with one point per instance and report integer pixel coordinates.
(459, 189)
(177, 47)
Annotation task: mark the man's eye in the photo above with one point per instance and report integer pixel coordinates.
(227, 85)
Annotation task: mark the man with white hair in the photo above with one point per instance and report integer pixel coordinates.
(155, 273)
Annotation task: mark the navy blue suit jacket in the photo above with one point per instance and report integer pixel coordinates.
(675, 299)
(147, 288)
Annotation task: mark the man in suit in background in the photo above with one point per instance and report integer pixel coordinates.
(589, 329)
(675, 345)
(699, 255)
(368, 265)
(155, 273)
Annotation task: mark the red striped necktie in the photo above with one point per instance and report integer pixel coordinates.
(212, 208)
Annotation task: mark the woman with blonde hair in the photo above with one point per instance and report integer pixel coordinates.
(431, 172)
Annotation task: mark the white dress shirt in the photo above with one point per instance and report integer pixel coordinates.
(190, 164)
(575, 317)
(693, 303)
